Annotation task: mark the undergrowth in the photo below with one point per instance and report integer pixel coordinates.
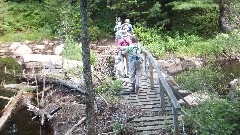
(110, 89)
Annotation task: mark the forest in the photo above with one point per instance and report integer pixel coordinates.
(206, 29)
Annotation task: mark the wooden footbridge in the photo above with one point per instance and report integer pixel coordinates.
(156, 98)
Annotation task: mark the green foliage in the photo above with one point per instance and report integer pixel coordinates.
(191, 4)
(117, 126)
(201, 21)
(203, 79)
(75, 71)
(23, 21)
(151, 39)
(23, 36)
(6, 93)
(9, 69)
(104, 19)
(217, 117)
(142, 10)
(110, 89)
(24, 16)
(159, 42)
(11, 65)
(73, 51)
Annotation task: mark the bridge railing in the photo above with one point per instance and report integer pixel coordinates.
(163, 87)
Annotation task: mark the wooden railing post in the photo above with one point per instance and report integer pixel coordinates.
(161, 89)
(145, 65)
(164, 87)
(151, 75)
(175, 121)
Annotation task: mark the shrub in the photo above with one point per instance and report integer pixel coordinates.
(11, 65)
(73, 51)
(110, 89)
(217, 117)
(203, 79)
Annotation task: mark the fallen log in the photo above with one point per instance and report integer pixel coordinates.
(9, 108)
(67, 83)
(7, 98)
(69, 132)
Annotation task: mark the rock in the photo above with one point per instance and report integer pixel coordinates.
(33, 65)
(51, 44)
(49, 52)
(233, 84)
(41, 47)
(23, 50)
(32, 58)
(48, 61)
(59, 49)
(15, 45)
(45, 42)
(195, 98)
(163, 63)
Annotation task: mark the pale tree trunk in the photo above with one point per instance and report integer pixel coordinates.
(223, 19)
(87, 75)
(229, 15)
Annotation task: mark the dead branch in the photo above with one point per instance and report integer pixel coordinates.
(9, 108)
(65, 83)
(103, 99)
(7, 98)
(42, 113)
(69, 132)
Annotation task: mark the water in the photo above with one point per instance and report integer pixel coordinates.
(21, 123)
(5, 93)
(230, 70)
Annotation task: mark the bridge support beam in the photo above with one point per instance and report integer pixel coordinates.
(151, 75)
(161, 90)
(175, 121)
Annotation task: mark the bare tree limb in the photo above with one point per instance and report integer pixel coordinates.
(69, 132)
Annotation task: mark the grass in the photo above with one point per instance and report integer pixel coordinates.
(23, 36)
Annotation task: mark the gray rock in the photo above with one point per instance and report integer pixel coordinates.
(41, 47)
(22, 50)
(15, 45)
(59, 49)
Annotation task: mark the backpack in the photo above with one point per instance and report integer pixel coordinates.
(124, 42)
(135, 54)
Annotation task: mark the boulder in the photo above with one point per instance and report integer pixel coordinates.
(41, 47)
(15, 45)
(22, 50)
(59, 49)
(196, 98)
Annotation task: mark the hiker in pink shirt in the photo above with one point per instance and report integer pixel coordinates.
(125, 40)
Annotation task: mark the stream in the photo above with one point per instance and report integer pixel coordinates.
(20, 122)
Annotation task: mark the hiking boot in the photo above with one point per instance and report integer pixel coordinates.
(132, 90)
(137, 89)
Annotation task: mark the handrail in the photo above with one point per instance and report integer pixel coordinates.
(163, 85)
(164, 82)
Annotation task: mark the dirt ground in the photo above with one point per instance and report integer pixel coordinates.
(110, 118)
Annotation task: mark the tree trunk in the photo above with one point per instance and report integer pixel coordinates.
(87, 75)
(223, 18)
